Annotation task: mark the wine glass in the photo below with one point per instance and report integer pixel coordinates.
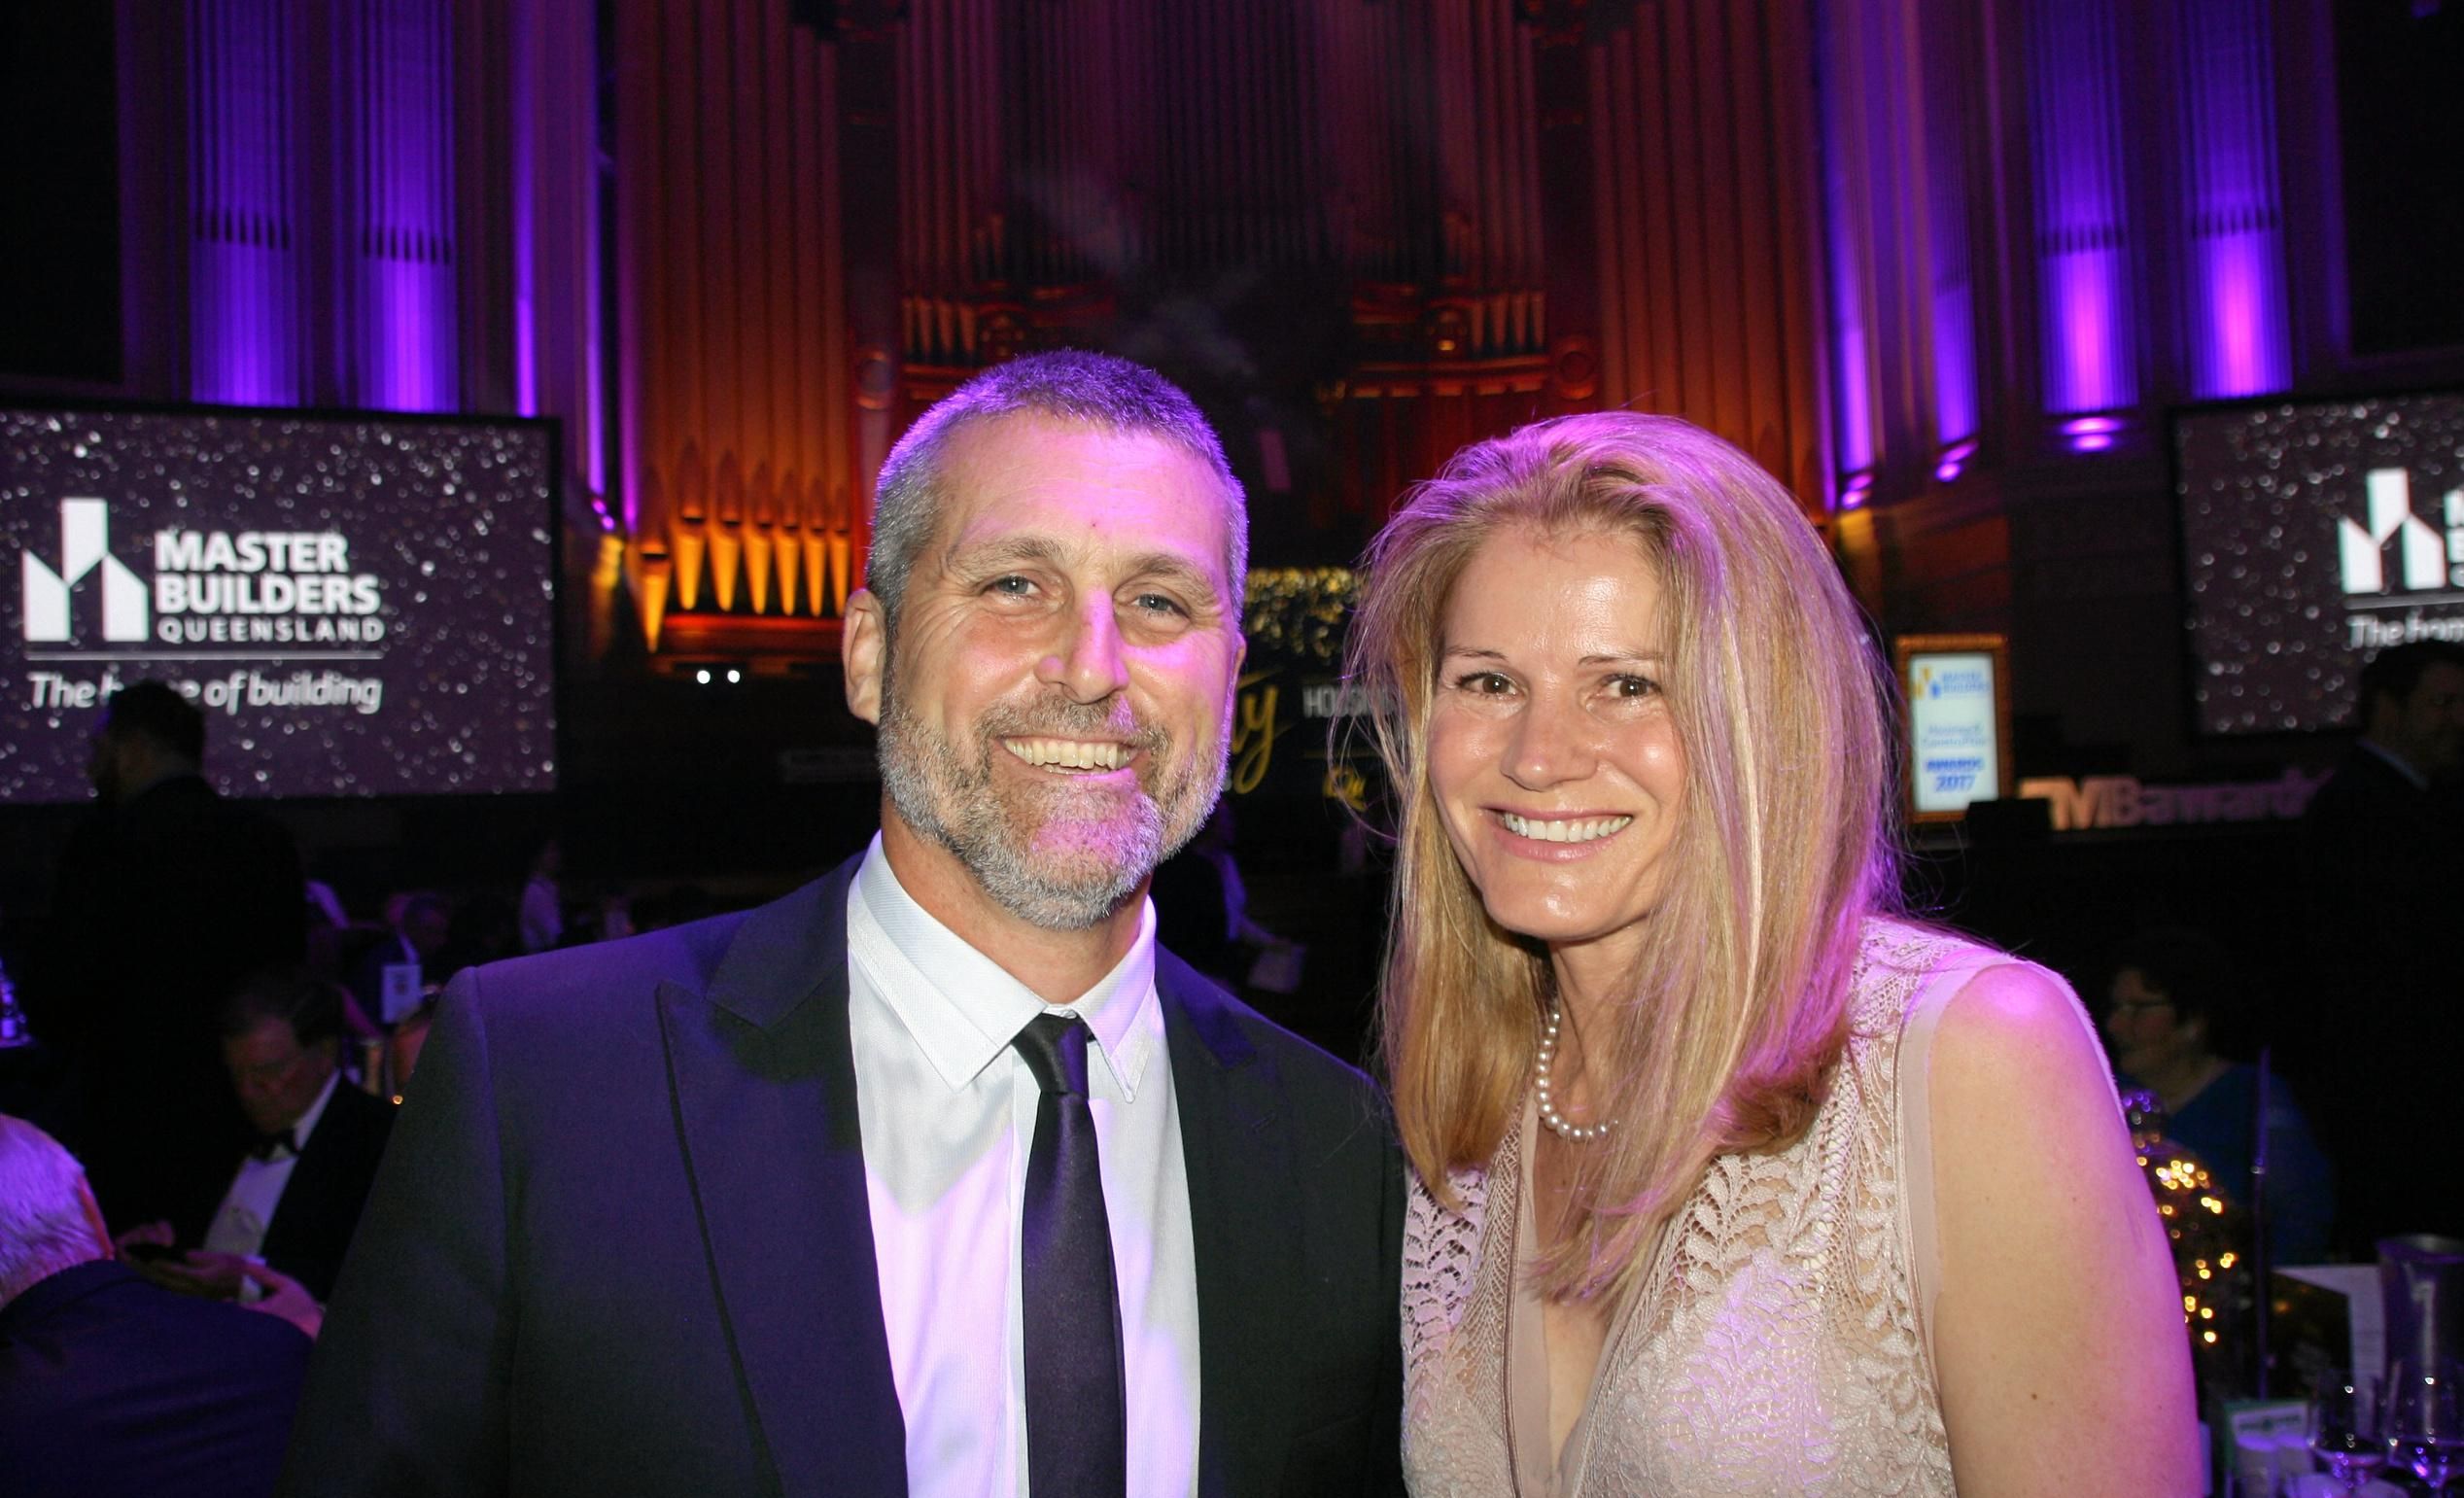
(2423, 1420)
(2344, 1428)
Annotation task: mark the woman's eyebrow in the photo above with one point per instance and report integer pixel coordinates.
(1627, 657)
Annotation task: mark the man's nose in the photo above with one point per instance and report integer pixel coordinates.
(1087, 661)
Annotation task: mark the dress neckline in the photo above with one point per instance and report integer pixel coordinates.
(1540, 1472)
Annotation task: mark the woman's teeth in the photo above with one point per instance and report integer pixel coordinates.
(1582, 830)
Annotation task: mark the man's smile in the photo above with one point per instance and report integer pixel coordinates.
(1071, 754)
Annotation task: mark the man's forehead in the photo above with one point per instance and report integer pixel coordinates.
(271, 1037)
(1073, 490)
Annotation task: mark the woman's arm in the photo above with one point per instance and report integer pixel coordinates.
(2058, 1327)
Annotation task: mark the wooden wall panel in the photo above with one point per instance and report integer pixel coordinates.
(1706, 176)
(731, 299)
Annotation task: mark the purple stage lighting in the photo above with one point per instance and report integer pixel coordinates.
(2092, 433)
(244, 260)
(409, 349)
(1953, 461)
(2237, 334)
(2082, 229)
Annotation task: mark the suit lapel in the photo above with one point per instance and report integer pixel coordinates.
(764, 1096)
(312, 1223)
(1242, 1227)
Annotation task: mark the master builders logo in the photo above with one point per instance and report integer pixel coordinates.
(208, 587)
(2395, 550)
(85, 548)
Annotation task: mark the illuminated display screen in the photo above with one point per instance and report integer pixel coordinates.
(2313, 536)
(1958, 723)
(361, 606)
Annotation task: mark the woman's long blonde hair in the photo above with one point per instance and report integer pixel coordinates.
(1737, 1008)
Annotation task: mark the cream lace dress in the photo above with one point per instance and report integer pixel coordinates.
(1776, 1343)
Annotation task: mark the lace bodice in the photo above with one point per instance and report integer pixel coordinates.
(1775, 1340)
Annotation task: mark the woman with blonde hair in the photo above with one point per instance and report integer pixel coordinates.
(1726, 1181)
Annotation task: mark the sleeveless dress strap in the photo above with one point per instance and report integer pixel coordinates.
(1916, 1114)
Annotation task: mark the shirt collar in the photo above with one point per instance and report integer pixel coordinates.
(964, 1010)
(308, 1124)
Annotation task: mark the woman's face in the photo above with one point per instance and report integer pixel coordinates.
(2148, 1035)
(1552, 755)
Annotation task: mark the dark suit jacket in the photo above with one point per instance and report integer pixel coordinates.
(621, 1241)
(2384, 860)
(110, 1386)
(322, 1202)
(163, 903)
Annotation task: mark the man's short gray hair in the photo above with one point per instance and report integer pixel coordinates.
(43, 1228)
(1113, 395)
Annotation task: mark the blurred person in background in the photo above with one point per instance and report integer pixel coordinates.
(2383, 845)
(398, 968)
(294, 1200)
(110, 1386)
(541, 925)
(2172, 991)
(167, 895)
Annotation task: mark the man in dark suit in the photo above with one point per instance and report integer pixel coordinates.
(108, 1385)
(167, 895)
(294, 1198)
(2384, 852)
(938, 1175)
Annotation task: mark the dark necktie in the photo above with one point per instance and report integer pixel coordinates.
(272, 1146)
(1077, 1441)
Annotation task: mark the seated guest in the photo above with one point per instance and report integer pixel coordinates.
(108, 1385)
(415, 934)
(2167, 991)
(543, 908)
(328, 929)
(294, 1199)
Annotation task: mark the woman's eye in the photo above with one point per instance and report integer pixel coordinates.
(1484, 683)
(1632, 687)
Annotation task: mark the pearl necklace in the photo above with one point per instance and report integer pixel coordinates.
(1579, 1133)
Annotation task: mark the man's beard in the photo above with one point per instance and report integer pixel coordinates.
(1036, 851)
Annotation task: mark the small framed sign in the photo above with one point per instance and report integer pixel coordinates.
(1957, 725)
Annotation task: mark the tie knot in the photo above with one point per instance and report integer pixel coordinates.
(1055, 1048)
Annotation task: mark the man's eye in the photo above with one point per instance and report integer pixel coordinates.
(1011, 584)
(1157, 603)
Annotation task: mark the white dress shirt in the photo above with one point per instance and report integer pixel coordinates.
(257, 1188)
(947, 1112)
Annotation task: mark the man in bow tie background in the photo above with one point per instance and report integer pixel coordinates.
(294, 1198)
(937, 1176)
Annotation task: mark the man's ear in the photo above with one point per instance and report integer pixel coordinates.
(864, 649)
(93, 1210)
